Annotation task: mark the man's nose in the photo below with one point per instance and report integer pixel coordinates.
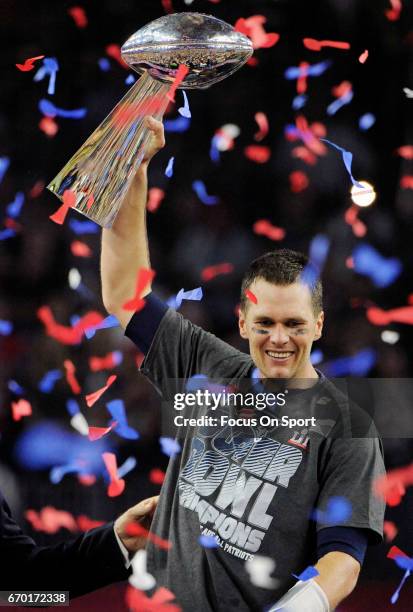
(279, 335)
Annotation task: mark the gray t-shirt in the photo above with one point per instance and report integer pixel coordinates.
(256, 492)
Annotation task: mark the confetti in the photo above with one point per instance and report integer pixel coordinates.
(15, 388)
(51, 520)
(263, 227)
(50, 67)
(104, 64)
(201, 192)
(351, 217)
(69, 200)
(305, 70)
(299, 101)
(80, 249)
(4, 165)
(107, 323)
(108, 362)
(262, 121)
(135, 529)
(67, 335)
(6, 327)
(369, 262)
(14, 208)
(29, 63)
(363, 57)
(136, 600)
(251, 296)
(408, 92)
(298, 181)
(144, 279)
(47, 383)
(167, 5)
(20, 409)
(95, 433)
(155, 198)
(157, 476)
(141, 578)
(169, 446)
(307, 574)
(253, 27)
(347, 160)
(7, 233)
(344, 99)
(208, 541)
(178, 125)
(358, 364)
(305, 155)
(184, 110)
(259, 569)
(71, 376)
(127, 466)
(211, 272)
(193, 294)
(317, 45)
(130, 79)
(406, 151)
(179, 77)
(49, 126)
(390, 530)
(117, 411)
(50, 110)
(114, 52)
(79, 423)
(366, 121)
(258, 154)
(78, 15)
(117, 485)
(170, 167)
(338, 511)
(92, 398)
(406, 182)
(393, 14)
(392, 486)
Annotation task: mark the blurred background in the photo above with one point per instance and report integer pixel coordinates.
(250, 174)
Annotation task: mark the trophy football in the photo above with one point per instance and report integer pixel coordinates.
(100, 172)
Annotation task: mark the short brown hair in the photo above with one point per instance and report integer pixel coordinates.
(284, 267)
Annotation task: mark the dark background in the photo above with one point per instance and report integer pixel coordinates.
(186, 236)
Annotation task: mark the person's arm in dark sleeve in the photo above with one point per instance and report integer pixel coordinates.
(142, 327)
(350, 540)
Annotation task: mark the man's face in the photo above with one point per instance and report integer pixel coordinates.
(281, 329)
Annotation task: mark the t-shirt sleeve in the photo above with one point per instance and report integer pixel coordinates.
(349, 469)
(180, 349)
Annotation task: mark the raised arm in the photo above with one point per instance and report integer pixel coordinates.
(125, 245)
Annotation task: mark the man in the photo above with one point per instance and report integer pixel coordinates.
(91, 561)
(255, 493)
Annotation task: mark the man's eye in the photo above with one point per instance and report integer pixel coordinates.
(264, 322)
(293, 323)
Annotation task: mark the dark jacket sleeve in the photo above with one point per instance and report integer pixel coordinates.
(89, 562)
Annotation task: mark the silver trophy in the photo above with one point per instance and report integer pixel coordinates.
(99, 173)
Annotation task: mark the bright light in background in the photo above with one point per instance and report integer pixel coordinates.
(363, 197)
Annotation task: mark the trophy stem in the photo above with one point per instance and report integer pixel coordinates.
(105, 164)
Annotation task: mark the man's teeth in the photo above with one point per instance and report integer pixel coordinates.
(279, 355)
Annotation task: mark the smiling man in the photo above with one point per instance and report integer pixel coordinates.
(254, 491)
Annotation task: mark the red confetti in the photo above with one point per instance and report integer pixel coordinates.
(84, 523)
(70, 376)
(167, 5)
(80, 249)
(92, 398)
(68, 335)
(390, 530)
(302, 79)
(155, 197)
(144, 278)
(79, 16)
(363, 57)
(86, 480)
(137, 601)
(211, 272)
(37, 189)
(251, 296)
(377, 316)
(253, 27)
(134, 529)
(310, 135)
(351, 217)
(51, 520)
(96, 364)
(298, 181)
(317, 45)
(29, 63)
(392, 486)
(393, 14)
(20, 409)
(406, 151)
(114, 52)
(406, 182)
(262, 120)
(395, 552)
(12, 224)
(257, 153)
(341, 90)
(69, 200)
(157, 476)
(95, 433)
(180, 75)
(117, 485)
(90, 201)
(303, 153)
(265, 228)
(49, 126)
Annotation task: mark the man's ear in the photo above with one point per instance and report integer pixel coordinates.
(319, 326)
(242, 324)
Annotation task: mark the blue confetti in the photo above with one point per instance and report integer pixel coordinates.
(184, 111)
(369, 262)
(83, 227)
(294, 72)
(299, 102)
(338, 511)
(214, 153)
(48, 381)
(6, 327)
(201, 192)
(178, 125)
(347, 159)
(170, 168)
(319, 247)
(72, 407)
(405, 563)
(50, 67)
(307, 574)
(341, 101)
(56, 474)
(359, 364)
(208, 541)
(50, 110)
(396, 594)
(110, 321)
(366, 121)
(7, 233)
(170, 447)
(104, 64)
(118, 413)
(4, 164)
(15, 388)
(127, 467)
(316, 356)
(130, 79)
(14, 208)
(193, 294)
